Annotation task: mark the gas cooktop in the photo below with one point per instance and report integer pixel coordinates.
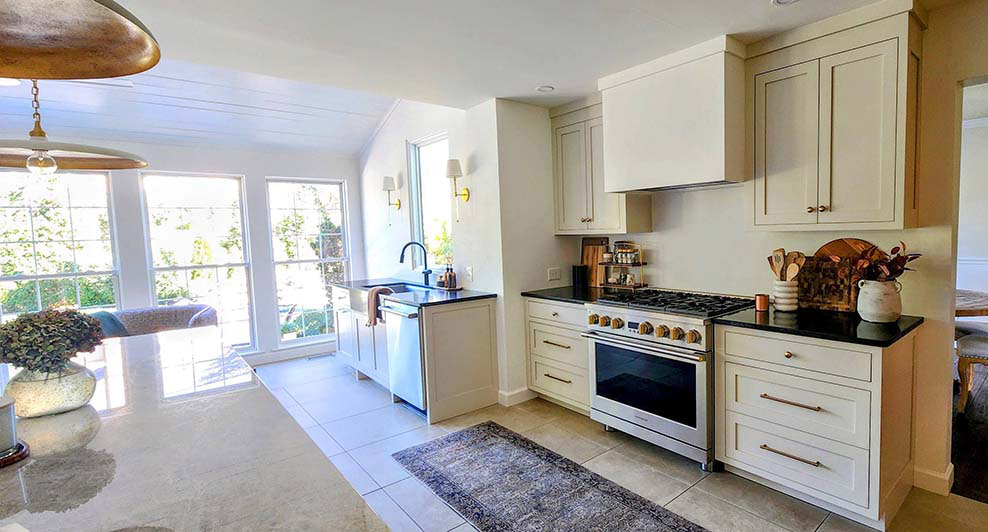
(673, 302)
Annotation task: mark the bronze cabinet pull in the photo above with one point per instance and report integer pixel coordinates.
(788, 354)
(555, 314)
(823, 208)
(789, 456)
(811, 209)
(555, 344)
(790, 403)
(558, 379)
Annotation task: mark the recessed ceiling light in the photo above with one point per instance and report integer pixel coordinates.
(545, 88)
(9, 82)
(784, 2)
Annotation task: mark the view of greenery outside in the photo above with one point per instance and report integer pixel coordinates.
(436, 209)
(55, 249)
(309, 253)
(197, 247)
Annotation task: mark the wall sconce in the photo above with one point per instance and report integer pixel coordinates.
(389, 187)
(453, 171)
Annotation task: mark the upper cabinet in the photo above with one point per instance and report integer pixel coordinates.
(677, 121)
(582, 205)
(832, 129)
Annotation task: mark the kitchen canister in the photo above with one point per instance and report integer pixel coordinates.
(786, 295)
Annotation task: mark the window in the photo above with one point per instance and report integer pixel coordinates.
(310, 251)
(196, 237)
(431, 195)
(55, 246)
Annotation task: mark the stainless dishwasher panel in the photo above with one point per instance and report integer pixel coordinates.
(406, 361)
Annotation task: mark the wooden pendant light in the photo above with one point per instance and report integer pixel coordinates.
(72, 39)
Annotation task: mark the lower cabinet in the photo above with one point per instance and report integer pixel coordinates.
(557, 355)
(826, 422)
(346, 334)
(364, 347)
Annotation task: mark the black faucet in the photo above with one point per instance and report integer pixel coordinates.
(426, 272)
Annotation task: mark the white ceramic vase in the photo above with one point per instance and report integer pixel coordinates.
(39, 394)
(879, 301)
(786, 295)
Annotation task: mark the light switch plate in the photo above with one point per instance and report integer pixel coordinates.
(469, 273)
(554, 274)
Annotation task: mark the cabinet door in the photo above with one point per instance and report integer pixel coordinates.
(571, 177)
(857, 134)
(606, 210)
(346, 334)
(381, 350)
(364, 357)
(786, 140)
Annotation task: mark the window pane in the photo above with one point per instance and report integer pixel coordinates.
(57, 293)
(97, 293)
(301, 307)
(15, 224)
(16, 259)
(55, 257)
(191, 236)
(17, 297)
(90, 224)
(436, 197)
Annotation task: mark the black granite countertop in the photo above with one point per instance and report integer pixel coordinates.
(845, 327)
(418, 298)
(567, 294)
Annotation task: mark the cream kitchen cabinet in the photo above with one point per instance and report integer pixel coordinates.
(558, 357)
(832, 135)
(371, 356)
(581, 205)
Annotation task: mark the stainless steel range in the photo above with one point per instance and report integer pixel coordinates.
(650, 366)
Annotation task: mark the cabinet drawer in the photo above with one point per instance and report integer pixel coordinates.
(575, 316)
(828, 410)
(790, 353)
(550, 378)
(564, 345)
(341, 297)
(802, 461)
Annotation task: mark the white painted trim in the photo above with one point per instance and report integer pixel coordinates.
(581, 103)
(290, 353)
(981, 261)
(516, 396)
(938, 482)
(362, 153)
(972, 123)
(717, 45)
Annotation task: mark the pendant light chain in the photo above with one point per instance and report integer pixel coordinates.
(36, 104)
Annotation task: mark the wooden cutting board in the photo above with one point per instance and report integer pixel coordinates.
(844, 248)
(827, 285)
(593, 255)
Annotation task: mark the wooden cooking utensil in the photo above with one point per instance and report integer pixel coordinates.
(771, 264)
(800, 259)
(792, 271)
(779, 261)
(791, 257)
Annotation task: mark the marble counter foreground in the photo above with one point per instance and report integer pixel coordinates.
(181, 436)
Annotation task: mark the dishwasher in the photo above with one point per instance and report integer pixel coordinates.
(406, 360)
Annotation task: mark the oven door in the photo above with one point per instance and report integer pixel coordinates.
(661, 388)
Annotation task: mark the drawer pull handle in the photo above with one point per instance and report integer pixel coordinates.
(555, 314)
(788, 354)
(555, 344)
(790, 403)
(790, 456)
(558, 379)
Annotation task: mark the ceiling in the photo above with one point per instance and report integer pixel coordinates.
(184, 104)
(976, 101)
(457, 52)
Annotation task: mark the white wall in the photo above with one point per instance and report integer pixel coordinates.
(255, 165)
(972, 222)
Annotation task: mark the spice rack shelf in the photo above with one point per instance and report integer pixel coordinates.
(632, 255)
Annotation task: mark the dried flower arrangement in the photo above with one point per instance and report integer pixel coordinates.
(873, 264)
(46, 341)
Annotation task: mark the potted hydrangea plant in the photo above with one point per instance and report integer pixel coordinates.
(42, 345)
(877, 274)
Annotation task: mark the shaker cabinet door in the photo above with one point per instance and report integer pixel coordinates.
(786, 139)
(571, 177)
(858, 91)
(606, 209)
(346, 334)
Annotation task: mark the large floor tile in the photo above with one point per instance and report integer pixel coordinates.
(376, 425)
(512, 418)
(389, 512)
(590, 429)
(324, 441)
(376, 458)
(668, 462)
(638, 477)
(284, 397)
(718, 516)
(301, 370)
(301, 416)
(555, 437)
(351, 470)
(764, 502)
(924, 510)
(465, 527)
(339, 397)
(428, 511)
(836, 523)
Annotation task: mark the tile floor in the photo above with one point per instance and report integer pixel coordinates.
(358, 427)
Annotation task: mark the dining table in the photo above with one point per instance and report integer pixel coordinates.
(181, 435)
(971, 303)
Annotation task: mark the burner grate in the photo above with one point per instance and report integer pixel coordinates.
(683, 303)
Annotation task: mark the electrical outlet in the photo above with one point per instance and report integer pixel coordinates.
(554, 274)
(469, 274)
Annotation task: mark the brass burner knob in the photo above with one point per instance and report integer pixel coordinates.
(693, 337)
(593, 319)
(661, 331)
(676, 333)
(645, 328)
(617, 323)
(605, 321)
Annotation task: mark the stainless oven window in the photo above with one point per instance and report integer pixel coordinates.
(664, 387)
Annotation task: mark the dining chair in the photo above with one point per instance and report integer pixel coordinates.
(971, 349)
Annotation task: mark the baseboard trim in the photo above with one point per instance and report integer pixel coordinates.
(281, 355)
(938, 482)
(516, 396)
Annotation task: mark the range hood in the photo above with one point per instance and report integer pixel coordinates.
(677, 121)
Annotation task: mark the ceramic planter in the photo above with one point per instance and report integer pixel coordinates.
(39, 394)
(879, 301)
(786, 295)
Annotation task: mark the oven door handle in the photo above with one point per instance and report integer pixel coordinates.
(643, 347)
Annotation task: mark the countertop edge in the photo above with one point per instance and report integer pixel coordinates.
(820, 335)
